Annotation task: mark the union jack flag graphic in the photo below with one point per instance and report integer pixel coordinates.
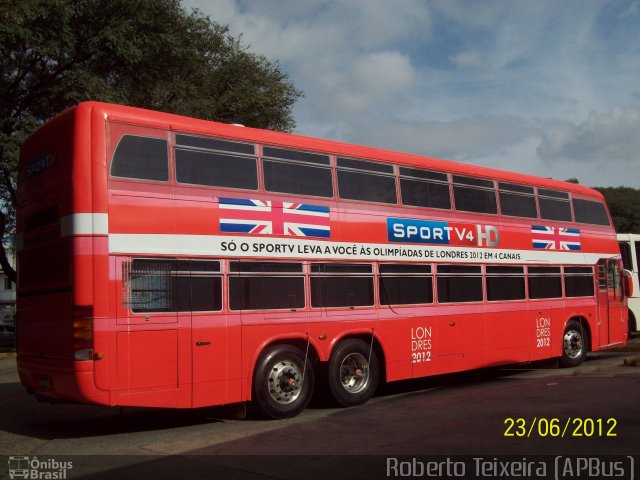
(555, 238)
(268, 217)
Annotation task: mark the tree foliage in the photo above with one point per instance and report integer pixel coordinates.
(145, 53)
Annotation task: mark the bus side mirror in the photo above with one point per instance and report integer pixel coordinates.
(627, 283)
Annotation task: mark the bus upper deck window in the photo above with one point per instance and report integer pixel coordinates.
(587, 211)
(554, 205)
(143, 158)
(215, 162)
(422, 188)
(472, 194)
(366, 181)
(297, 172)
(517, 200)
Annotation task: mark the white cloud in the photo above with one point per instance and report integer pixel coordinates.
(338, 53)
(632, 10)
(469, 59)
(464, 140)
(382, 72)
(294, 30)
(601, 138)
(503, 84)
(373, 79)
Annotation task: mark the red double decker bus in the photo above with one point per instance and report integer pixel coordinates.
(172, 262)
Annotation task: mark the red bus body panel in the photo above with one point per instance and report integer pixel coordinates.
(79, 228)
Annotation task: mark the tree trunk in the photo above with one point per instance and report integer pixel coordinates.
(4, 260)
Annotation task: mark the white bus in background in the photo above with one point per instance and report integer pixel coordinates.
(630, 250)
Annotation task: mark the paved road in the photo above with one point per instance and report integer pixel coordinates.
(448, 415)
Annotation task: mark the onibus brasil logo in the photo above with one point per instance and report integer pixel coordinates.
(33, 468)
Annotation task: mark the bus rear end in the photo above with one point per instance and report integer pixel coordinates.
(55, 287)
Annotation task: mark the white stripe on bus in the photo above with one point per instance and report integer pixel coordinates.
(271, 247)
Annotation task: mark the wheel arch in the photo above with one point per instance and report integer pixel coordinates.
(303, 344)
(366, 337)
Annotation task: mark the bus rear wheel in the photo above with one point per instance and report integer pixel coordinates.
(575, 341)
(283, 382)
(353, 373)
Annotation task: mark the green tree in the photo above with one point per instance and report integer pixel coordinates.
(145, 53)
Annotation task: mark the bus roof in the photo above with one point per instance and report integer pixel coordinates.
(236, 132)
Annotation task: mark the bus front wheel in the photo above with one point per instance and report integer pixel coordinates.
(575, 341)
(283, 382)
(353, 373)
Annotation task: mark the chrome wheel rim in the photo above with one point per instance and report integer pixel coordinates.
(354, 373)
(573, 344)
(285, 382)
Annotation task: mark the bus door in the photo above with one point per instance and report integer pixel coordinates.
(461, 325)
(147, 336)
(199, 290)
(611, 305)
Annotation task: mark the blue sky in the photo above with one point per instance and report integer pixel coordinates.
(550, 88)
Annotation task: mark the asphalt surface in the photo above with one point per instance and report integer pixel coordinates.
(460, 414)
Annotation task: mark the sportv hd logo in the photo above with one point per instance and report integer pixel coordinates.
(33, 468)
(437, 232)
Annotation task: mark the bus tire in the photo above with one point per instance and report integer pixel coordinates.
(282, 382)
(575, 342)
(353, 373)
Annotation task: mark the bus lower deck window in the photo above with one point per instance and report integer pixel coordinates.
(265, 285)
(341, 285)
(544, 282)
(459, 283)
(405, 284)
